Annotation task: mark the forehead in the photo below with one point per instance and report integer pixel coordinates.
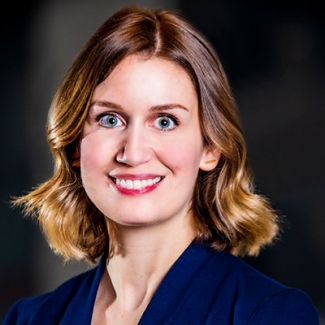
(154, 77)
(141, 61)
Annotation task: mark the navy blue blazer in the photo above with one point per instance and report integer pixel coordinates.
(203, 287)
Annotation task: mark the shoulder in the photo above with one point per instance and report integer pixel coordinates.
(258, 298)
(288, 306)
(49, 306)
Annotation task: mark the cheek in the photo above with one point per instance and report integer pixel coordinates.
(183, 156)
(88, 153)
(93, 154)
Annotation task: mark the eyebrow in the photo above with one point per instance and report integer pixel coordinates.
(105, 104)
(156, 108)
(166, 107)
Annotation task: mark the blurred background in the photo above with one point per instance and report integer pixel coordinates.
(274, 55)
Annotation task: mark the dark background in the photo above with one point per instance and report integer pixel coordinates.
(274, 55)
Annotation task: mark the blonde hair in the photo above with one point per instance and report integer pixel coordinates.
(228, 212)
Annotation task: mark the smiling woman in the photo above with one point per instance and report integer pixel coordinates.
(149, 124)
(152, 185)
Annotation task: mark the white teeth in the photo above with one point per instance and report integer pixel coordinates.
(129, 184)
(137, 184)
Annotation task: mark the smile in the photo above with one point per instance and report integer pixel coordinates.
(137, 184)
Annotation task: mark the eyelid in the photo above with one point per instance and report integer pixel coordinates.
(99, 118)
(173, 118)
(102, 114)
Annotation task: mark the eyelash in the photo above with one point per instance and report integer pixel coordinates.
(172, 117)
(157, 116)
(101, 115)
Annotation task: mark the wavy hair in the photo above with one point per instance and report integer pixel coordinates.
(227, 210)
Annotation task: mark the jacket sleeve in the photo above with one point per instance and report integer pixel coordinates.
(287, 307)
(11, 317)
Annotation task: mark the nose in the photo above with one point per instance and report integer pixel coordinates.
(135, 147)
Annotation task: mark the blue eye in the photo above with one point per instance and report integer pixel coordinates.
(165, 123)
(110, 121)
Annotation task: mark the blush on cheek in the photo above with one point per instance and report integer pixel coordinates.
(182, 157)
(89, 158)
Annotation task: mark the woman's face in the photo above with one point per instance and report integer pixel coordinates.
(142, 146)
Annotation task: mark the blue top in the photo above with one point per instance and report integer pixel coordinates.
(203, 287)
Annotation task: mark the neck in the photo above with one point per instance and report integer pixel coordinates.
(144, 257)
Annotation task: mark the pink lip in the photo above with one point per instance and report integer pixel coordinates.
(134, 192)
(134, 177)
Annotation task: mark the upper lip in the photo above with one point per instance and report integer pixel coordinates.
(134, 177)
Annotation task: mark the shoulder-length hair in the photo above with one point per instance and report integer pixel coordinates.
(227, 210)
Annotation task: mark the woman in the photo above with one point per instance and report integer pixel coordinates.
(151, 181)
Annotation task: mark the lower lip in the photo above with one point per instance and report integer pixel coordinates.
(134, 192)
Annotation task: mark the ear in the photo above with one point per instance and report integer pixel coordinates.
(210, 159)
